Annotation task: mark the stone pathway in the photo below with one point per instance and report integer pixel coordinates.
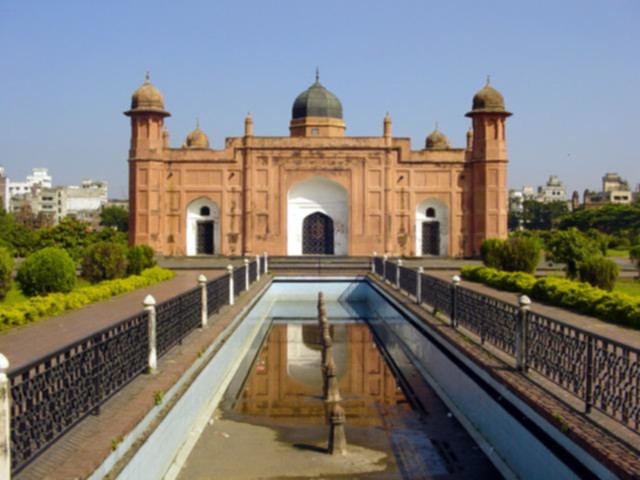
(24, 345)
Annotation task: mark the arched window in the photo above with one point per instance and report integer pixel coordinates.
(431, 212)
(205, 211)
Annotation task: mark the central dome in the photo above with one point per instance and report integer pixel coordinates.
(316, 101)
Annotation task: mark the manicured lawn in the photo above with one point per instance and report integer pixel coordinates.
(630, 286)
(612, 252)
(16, 296)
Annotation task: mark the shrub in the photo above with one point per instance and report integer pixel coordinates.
(140, 257)
(56, 303)
(520, 254)
(104, 261)
(6, 269)
(609, 306)
(599, 272)
(570, 247)
(45, 271)
(490, 252)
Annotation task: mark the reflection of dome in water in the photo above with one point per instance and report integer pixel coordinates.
(303, 358)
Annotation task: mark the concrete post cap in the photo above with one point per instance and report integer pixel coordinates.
(375, 254)
(524, 301)
(4, 363)
(421, 269)
(399, 261)
(229, 268)
(149, 301)
(265, 254)
(202, 279)
(456, 279)
(385, 256)
(246, 261)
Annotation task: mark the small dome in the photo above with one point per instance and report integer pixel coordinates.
(147, 97)
(488, 99)
(197, 139)
(316, 101)
(437, 140)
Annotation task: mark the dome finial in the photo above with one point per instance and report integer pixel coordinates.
(436, 129)
(488, 80)
(197, 122)
(317, 74)
(147, 77)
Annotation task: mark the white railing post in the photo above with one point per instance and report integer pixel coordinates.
(521, 333)
(5, 420)
(246, 274)
(398, 265)
(266, 262)
(384, 268)
(419, 273)
(454, 302)
(230, 272)
(373, 262)
(150, 308)
(257, 267)
(202, 281)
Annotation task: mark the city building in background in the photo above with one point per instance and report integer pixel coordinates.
(4, 189)
(615, 190)
(317, 191)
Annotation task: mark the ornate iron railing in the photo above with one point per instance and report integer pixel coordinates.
(217, 294)
(253, 271)
(378, 264)
(408, 280)
(50, 395)
(390, 272)
(176, 318)
(239, 280)
(603, 373)
(263, 265)
(437, 293)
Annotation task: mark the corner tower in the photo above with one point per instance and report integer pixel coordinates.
(488, 167)
(317, 112)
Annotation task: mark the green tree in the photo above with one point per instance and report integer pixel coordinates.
(570, 247)
(115, 217)
(610, 219)
(634, 256)
(45, 271)
(6, 269)
(104, 261)
(542, 216)
(70, 234)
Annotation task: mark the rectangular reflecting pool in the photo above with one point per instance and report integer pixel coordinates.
(271, 422)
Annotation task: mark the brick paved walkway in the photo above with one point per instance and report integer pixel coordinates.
(618, 333)
(23, 345)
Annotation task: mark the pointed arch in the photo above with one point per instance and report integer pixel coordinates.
(203, 227)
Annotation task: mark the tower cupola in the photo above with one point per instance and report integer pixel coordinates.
(197, 138)
(437, 140)
(317, 112)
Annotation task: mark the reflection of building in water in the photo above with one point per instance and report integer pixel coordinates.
(286, 381)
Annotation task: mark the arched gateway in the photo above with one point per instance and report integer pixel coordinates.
(203, 227)
(317, 218)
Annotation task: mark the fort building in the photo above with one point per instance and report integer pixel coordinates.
(317, 190)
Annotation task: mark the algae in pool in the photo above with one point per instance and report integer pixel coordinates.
(274, 425)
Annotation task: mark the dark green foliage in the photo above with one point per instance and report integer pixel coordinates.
(634, 256)
(490, 252)
(542, 216)
(520, 254)
(610, 219)
(599, 272)
(45, 271)
(6, 269)
(570, 247)
(601, 239)
(140, 258)
(70, 234)
(115, 218)
(104, 261)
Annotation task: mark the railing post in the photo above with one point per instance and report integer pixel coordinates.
(266, 262)
(521, 333)
(373, 262)
(246, 274)
(588, 397)
(230, 272)
(398, 265)
(257, 268)
(150, 308)
(454, 307)
(202, 281)
(419, 273)
(384, 268)
(5, 419)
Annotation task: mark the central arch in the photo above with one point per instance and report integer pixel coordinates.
(317, 205)
(203, 227)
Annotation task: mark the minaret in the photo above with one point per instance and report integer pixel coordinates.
(488, 168)
(248, 125)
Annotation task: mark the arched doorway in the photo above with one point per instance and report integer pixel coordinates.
(203, 227)
(317, 218)
(432, 228)
(317, 235)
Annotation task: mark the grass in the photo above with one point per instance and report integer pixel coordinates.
(15, 295)
(630, 286)
(614, 252)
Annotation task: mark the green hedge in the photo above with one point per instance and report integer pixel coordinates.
(581, 297)
(53, 304)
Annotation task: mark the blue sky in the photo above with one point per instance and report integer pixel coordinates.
(569, 71)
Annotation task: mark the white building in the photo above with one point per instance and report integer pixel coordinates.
(553, 191)
(39, 177)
